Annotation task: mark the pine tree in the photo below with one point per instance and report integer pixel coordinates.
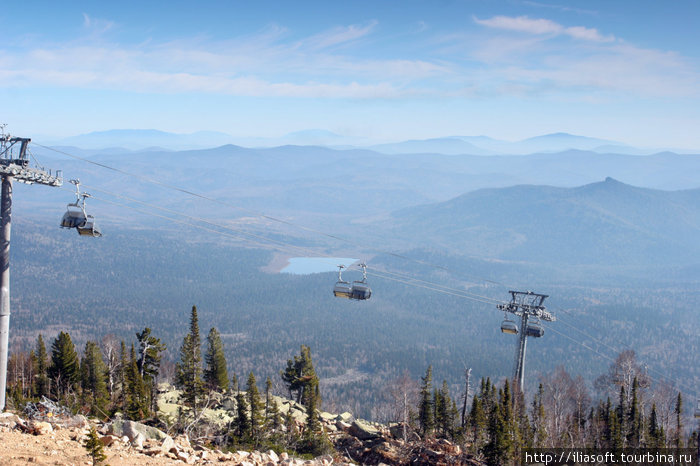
(299, 372)
(94, 447)
(478, 422)
(65, 366)
(150, 349)
(215, 374)
(94, 379)
(189, 369)
(256, 407)
(42, 362)
(426, 416)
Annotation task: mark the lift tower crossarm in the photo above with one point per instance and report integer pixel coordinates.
(13, 167)
(525, 304)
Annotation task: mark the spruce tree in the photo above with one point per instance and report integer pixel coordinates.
(94, 379)
(41, 381)
(215, 373)
(241, 421)
(678, 431)
(426, 416)
(256, 409)
(137, 393)
(94, 447)
(298, 373)
(272, 413)
(189, 369)
(65, 366)
(121, 376)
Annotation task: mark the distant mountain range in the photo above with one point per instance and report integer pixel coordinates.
(149, 139)
(608, 223)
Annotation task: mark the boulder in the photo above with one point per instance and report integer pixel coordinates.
(363, 430)
(138, 440)
(40, 428)
(345, 417)
(130, 429)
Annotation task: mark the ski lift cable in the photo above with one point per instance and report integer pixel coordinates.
(411, 281)
(283, 246)
(265, 216)
(661, 377)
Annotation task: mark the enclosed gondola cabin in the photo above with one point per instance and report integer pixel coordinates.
(90, 228)
(74, 217)
(534, 330)
(508, 326)
(360, 291)
(342, 289)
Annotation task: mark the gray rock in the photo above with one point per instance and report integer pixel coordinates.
(363, 430)
(345, 417)
(130, 429)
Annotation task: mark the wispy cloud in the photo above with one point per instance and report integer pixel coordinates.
(539, 26)
(95, 25)
(339, 35)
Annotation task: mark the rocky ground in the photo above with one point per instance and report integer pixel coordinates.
(58, 440)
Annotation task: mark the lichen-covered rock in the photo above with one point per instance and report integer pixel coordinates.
(363, 430)
(130, 429)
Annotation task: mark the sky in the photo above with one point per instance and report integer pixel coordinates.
(375, 71)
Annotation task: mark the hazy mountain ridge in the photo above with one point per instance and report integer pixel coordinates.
(607, 223)
(140, 139)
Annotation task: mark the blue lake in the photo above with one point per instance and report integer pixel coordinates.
(307, 265)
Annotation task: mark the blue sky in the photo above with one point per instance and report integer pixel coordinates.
(372, 70)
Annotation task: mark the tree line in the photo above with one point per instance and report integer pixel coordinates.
(110, 379)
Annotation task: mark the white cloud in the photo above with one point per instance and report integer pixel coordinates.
(522, 24)
(542, 27)
(339, 35)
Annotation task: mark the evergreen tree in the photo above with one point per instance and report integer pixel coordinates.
(121, 376)
(137, 393)
(189, 369)
(426, 416)
(634, 418)
(298, 373)
(272, 413)
(539, 420)
(500, 447)
(94, 447)
(94, 379)
(241, 421)
(678, 431)
(656, 431)
(65, 366)
(256, 409)
(150, 349)
(478, 422)
(41, 380)
(215, 374)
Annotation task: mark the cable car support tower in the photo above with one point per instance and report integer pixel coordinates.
(526, 305)
(14, 165)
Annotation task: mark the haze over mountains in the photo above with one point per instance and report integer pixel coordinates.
(612, 236)
(140, 139)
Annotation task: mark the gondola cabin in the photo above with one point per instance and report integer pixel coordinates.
(74, 217)
(534, 330)
(360, 291)
(90, 228)
(508, 326)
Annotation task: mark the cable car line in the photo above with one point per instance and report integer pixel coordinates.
(262, 215)
(662, 377)
(282, 246)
